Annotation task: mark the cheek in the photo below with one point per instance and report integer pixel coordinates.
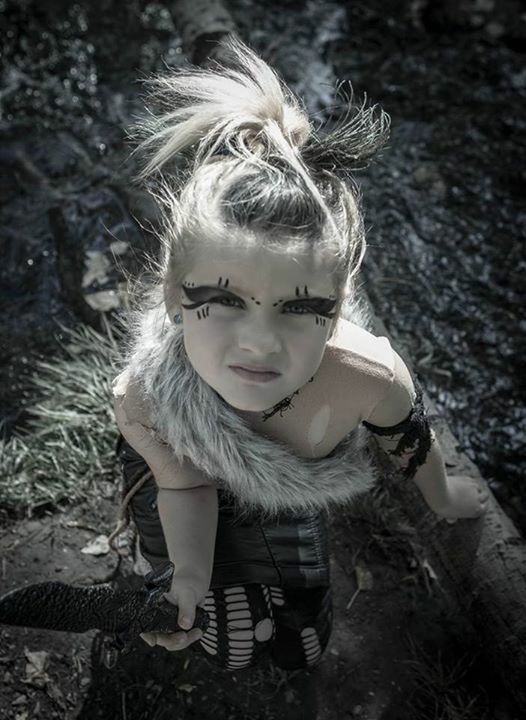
(204, 338)
(309, 345)
(322, 322)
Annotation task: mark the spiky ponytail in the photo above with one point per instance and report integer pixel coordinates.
(234, 147)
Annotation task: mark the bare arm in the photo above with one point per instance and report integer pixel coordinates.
(188, 510)
(189, 521)
(414, 450)
(430, 477)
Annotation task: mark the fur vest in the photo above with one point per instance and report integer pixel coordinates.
(258, 473)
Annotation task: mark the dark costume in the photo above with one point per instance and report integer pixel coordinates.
(282, 567)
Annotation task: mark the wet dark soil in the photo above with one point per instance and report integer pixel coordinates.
(446, 263)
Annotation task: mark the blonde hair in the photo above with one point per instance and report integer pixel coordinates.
(231, 149)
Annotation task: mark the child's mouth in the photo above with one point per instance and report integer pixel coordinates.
(254, 376)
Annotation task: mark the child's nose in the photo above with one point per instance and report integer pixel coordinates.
(260, 337)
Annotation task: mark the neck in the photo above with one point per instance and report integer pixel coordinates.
(265, 415)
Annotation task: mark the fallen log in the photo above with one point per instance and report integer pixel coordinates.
(202, 25)
(481, 562)
(70, 267)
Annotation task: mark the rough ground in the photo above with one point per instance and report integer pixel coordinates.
(400, 650)
(401, 617)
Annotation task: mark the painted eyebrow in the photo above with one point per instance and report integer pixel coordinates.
(195, 293)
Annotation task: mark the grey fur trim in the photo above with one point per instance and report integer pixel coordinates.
(260, 474)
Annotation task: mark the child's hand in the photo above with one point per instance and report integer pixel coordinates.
(186, 598)
(466, 498)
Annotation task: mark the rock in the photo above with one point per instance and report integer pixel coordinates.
(518, 80)
(99, 546)
(36, 665)
(119, 247)
(103, 300)
(495, 30)
(33, 525)
(97, 268)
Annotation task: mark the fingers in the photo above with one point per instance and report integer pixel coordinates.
(483, 495)
(173, 641)
(185, 599)
(179, 641)
(149, 638)
(186, 602)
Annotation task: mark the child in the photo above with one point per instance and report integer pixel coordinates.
(248, 399)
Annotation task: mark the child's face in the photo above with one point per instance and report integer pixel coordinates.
(255, 308)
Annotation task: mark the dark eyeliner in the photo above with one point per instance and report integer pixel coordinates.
(320, 307)
(201, 295)
(196, 295)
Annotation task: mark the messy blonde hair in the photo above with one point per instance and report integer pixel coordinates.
(233, 159)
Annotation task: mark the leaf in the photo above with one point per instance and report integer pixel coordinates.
(36, 665)
(364, 577)
(99, 546)
(55, 693)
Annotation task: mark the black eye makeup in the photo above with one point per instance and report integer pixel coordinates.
(304, 305)
(319, 306)
(198, 295)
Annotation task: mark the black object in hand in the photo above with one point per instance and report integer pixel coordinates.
(59, 606)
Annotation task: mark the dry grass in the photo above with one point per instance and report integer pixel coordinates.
(388, 528)
(441, 688)
(68, 445)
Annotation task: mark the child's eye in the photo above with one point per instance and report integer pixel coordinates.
(303, 309)
(226, 301)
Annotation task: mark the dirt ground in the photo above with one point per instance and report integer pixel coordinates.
(399, 648)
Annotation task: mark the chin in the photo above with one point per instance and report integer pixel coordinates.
(250, 406)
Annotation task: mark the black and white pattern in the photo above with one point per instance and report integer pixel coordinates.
(241, 625)
(311, 645)
(248, 622)
(276, 593)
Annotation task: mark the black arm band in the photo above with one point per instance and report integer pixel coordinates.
(415, 431)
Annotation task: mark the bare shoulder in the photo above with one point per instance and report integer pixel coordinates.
(134, 419)
(358, 369)
(356, 346)
(360, 354)
(374, 372)
(133, 416)
(130, 401)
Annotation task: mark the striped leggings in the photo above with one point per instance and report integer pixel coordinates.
(248, 622)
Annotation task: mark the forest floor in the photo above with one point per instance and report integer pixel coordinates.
(399, 651)
(400, 648)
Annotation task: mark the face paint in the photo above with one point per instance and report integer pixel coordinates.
(204, 313)
(263, 311)
(313, 305)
